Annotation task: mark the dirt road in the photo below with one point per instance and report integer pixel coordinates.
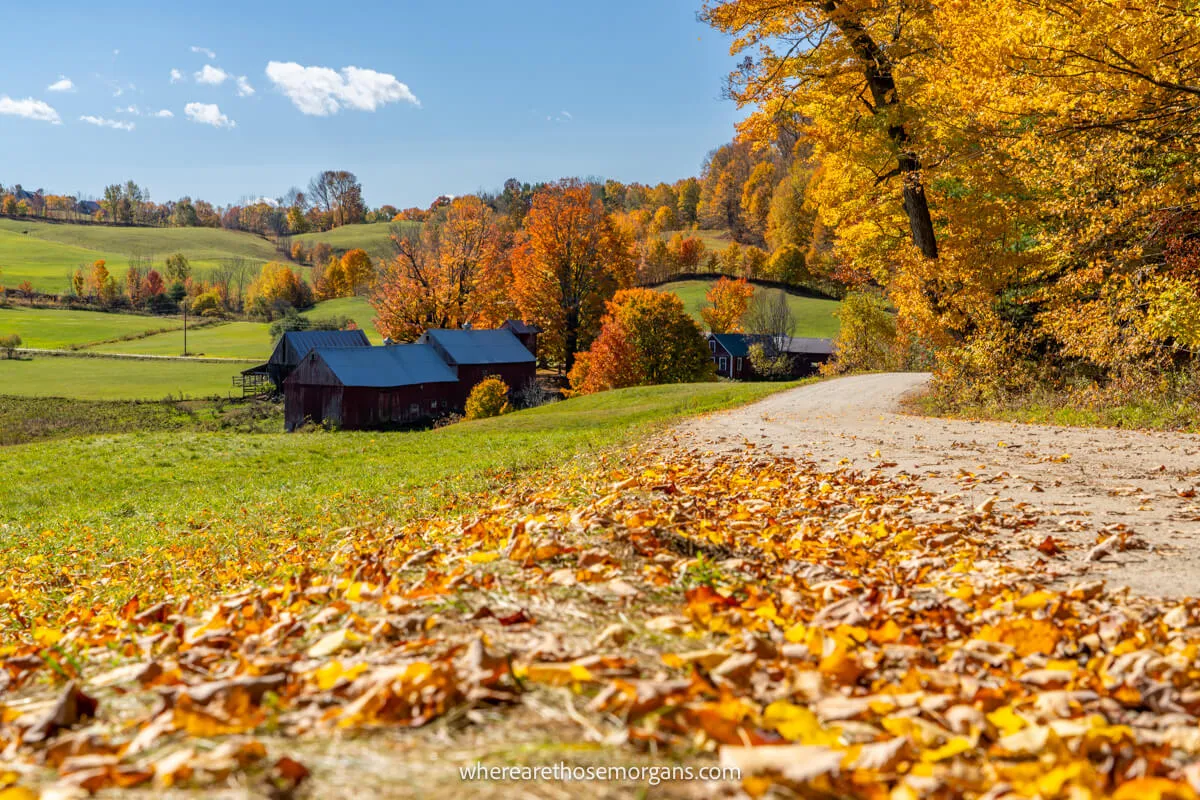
(1076, 485)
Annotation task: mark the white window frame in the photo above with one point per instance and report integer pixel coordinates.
(723, 364)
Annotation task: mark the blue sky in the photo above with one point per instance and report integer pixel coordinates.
(536, 89)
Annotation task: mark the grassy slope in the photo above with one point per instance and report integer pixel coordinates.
(226, 340)
(46, 253)
(115, 379)
(814, 317)
(54, 328)
(373, 237)
(356, 308)
(714, 240)
(115, 496)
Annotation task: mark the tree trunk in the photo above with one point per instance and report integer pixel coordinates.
(571, 340)
(877, 68)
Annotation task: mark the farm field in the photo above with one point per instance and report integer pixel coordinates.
(355, 308)
(814, 316)
(250, 340)
(714, 240)
(53, 329)
(373, 237)
(46, 253)
(88, 378)
(207, 490)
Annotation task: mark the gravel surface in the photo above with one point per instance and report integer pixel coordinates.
(1079, 486)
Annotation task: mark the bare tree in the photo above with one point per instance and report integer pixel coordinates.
(770, 316)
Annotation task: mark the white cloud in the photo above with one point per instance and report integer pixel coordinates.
(211, 75)
(107, 123)
(63, 84)
(244, 87)
(134, 110)
(566, 114)
(29, 109)
(320, 91)
(176, 76)
(208, 114)
(204, 51)
(164, 114)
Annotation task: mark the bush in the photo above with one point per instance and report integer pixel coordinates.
(770, 366)
(867, 340)
(489, 398)
(9, 344)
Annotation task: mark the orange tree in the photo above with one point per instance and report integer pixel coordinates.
(451, 273)
(569, 259)
(646, 338)
(728, 301)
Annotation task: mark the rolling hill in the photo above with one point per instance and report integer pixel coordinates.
(373, 237)
(814, 316)
(46, 253)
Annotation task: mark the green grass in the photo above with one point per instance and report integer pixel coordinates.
(143, 488)
(46, 253)
(373, 237)
(814, 316)
(115, 378)
(222, 340)
(54, 329)
(356, 308)
(1180, 412)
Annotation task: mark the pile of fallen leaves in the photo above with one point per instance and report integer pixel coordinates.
(830, 633)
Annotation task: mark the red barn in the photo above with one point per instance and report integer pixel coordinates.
(475, 354)
(369, 387)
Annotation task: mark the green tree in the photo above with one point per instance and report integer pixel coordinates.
(178, 268)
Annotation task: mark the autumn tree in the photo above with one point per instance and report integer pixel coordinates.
(277, 288)
(646, 338)
(320, 253)
(727, 303)
(448, 272)
(568, 260)
(178, 268)
(154, 284)
(489, 398)
(358, 271)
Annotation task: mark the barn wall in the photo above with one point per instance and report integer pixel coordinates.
(370, 408)
(304, 402)
(469, 376)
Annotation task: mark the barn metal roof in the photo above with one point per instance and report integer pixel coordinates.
(303, 341)
(468, 346)
(738, 344)
(386, 367)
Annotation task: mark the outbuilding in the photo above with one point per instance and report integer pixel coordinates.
(293, 346)
(731, 353)
(476, 354)
(369, 387)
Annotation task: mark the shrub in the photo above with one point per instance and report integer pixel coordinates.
(867, 339)
(9, 344)
(770, 364)
(489, 398)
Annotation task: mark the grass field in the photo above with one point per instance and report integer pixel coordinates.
(223, 340)
(96, 500)
(814, 317)
(714, 240)
(53, 329)
(46, 253)
(115, 378)
(375, 237)
(356, 308)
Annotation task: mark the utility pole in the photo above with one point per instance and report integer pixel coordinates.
(185, 307)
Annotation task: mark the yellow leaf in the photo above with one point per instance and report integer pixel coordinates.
(47, 637)
(798, 724)
(483, 557)
(1006, 720)
(1034, 601)
(950, 749)
(18, 793)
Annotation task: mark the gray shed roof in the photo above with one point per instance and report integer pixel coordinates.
(300, 342)
(468, 346)
(802, 345)
(386, 367)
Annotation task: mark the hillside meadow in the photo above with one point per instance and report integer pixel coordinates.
(46, 253)
(234, 498)
(88, 378)
(374, 237)
(814, 316)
